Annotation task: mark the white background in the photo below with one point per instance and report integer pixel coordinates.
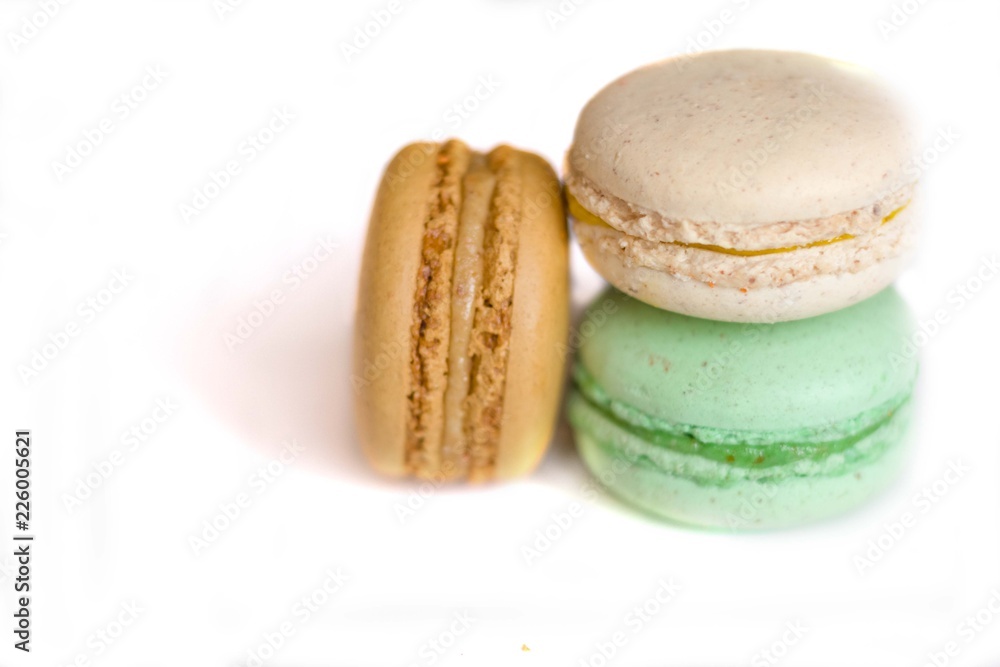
(462, 552)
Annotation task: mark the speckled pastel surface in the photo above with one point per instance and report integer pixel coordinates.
(744, 425)
(819, 136)
(746, 185)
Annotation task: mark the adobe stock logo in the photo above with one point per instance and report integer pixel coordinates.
(711, 30)
(265, 307)
(101, 640)
(87, 310)
(366, 33)
(303, 610)
(922, 502)
(562, 12)
(121, 109)
(435, 648)
(779, 648)
(252, 146)
(592, 323)
(223, 8)
(899, 16)
(633, 623)
(131, 440)
(957, 298)
(231, 510)
(972, 626)
(32, 25)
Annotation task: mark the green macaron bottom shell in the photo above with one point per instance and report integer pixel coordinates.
(727, 425)
(666, 473)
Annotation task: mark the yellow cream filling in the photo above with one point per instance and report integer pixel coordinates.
(585, 216)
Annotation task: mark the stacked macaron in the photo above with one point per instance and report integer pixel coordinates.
(752, 208)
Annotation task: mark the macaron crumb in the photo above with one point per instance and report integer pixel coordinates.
(657, 360)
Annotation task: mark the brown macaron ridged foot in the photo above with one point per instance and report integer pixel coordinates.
(463, 312)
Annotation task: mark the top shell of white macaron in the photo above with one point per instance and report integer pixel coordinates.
(745, 138)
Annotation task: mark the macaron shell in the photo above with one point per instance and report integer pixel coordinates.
(753, 377)
(745, 138)
(382, 334)
(666, 492)
(540, 323)
(699, 296)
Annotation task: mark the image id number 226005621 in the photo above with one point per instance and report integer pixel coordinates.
(22, 540)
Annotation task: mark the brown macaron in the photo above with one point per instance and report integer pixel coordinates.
(463, 313)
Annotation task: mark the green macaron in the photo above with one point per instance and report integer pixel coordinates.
(743, 426)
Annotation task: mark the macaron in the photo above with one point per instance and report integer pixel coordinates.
(743, 426)
(462, 314)
(745, 186)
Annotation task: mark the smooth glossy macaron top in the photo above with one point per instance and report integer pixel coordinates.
(743, 139)
(765, 378)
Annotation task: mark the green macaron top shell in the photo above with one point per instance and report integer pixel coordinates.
(815, 379)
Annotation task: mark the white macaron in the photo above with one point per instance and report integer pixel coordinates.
(745, 186)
